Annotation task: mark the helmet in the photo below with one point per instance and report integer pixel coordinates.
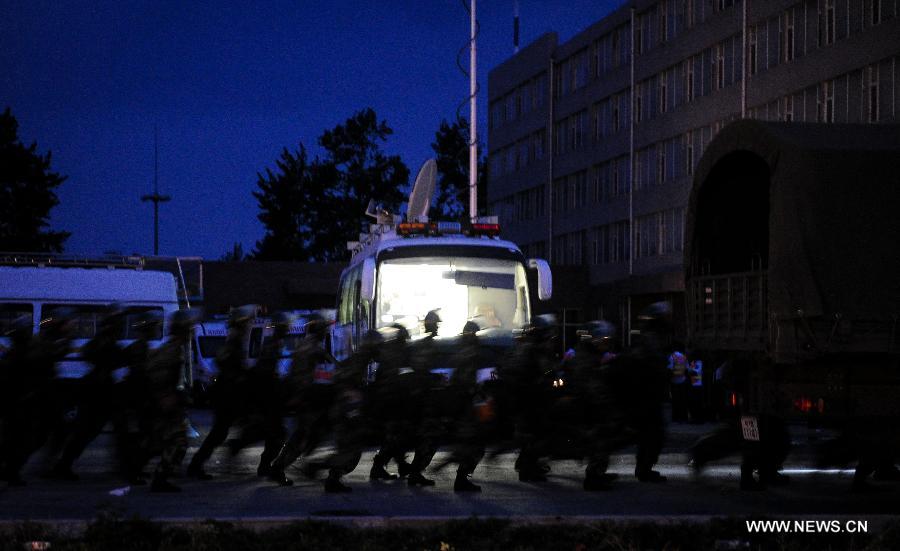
(148, 323)
(182, 322)
(59, 322)
(20, 329)
(542, 327)
(372, 339)
(599, 330)
(242, 315)
(656, 318)
(113, 316)
(431, 321)
(471, 328)
(281, 322)
(315, 325)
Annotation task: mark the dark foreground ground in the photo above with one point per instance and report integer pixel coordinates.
(710, 506)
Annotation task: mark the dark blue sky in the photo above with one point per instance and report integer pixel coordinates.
(228, 86)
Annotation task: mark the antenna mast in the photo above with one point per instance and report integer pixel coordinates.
(473, 121)
(155, 197)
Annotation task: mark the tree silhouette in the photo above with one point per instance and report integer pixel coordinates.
(451, 148)
(27, 194)
(311, 209)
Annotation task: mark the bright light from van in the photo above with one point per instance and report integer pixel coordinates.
(494, 292)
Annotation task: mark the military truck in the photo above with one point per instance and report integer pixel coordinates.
(792, 263)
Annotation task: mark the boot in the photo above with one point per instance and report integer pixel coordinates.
(404, 469)
(650, 476)
(277, 476)
(161, 485)
(378, 472)
(416, 479)
(61, 472)
(333, 485)
(533, 474)
(196, 471)
(463, 484)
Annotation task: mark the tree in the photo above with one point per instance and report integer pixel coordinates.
(281, 196)
(311, 209)
(359, 171)
(27, 194)
(451, 148)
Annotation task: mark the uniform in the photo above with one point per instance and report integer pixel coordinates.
(312, 393)
(229, 392)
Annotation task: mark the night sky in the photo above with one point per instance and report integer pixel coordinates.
(228, 86)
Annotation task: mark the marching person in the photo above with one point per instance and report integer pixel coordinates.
(312, 393)
(164, 375)
(229, 393)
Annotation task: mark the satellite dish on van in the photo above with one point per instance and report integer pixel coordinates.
(420, 198)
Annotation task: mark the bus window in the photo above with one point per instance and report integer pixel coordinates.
(10, 312)
(86, 317)
(132, 318)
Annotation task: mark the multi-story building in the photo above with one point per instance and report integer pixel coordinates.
(593, 142)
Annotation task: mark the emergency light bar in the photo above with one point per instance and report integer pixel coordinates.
(477, 229)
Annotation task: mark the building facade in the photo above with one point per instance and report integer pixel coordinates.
(592, 143)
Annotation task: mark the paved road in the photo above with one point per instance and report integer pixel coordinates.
(236, 493)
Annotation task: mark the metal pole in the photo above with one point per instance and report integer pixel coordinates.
(155, 197)
(550, 137)
(631, 116)
(473, 120)
(744, 59)
(516, 27)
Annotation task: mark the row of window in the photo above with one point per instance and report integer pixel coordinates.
(659, 163)
(657, 234)
(803, 26)
(518, 155)
(659, 23)
(529, 96)
(714, 68)
(853, 97)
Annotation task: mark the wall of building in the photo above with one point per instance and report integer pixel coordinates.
(592, 143)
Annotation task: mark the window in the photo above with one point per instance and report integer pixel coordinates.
(689, 79)
(872, 95)
(615, 114)
(827, 24)
(616, 49)
(787, 108)
(664, 20)
(559, 137)
(661, 170)
(647, 236)
(826, 101)
(719, 67)
(752, 52)
(672, 227)
(787, 35)
(638, 108)
(689, 152)
(875, 12)
(537, 145)
(663, 91)
(10, 312)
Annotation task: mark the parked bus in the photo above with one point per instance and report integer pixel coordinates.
(37, 292)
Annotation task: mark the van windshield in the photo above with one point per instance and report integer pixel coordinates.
(492, 292)
(87, 318)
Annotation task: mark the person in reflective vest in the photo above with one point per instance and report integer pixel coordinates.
(696, 392)
(678, 385)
